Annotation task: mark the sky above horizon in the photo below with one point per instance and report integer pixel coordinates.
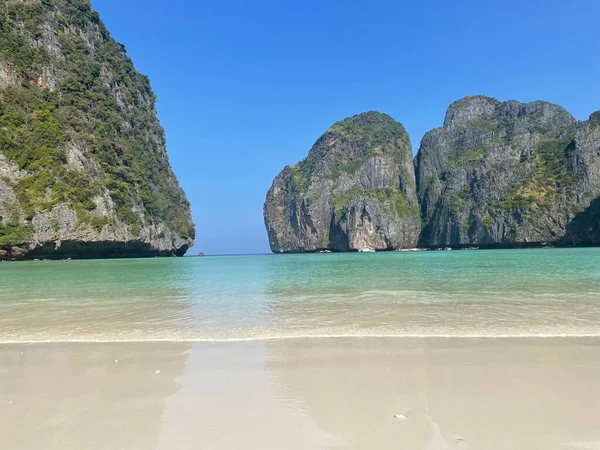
(245, 88)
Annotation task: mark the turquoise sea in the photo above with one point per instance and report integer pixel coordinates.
(498, 293)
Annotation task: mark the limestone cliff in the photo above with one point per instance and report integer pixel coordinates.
(506, 173)
(584, 229)
(83, 165)
(354, 191)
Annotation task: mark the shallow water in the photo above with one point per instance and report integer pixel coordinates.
(496, 293)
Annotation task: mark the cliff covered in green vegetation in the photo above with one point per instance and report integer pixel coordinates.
(83, 165)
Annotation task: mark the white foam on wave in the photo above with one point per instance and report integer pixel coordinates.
(299, 336)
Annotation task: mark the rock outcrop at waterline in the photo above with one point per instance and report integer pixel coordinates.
(506, 173)
(83, 165)
(496, 174)
(355, 190)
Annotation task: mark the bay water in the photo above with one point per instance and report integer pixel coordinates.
(495, 293)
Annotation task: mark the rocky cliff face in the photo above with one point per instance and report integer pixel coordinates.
(584, 229)
(355, 190)
(83, 166)
(507, 173)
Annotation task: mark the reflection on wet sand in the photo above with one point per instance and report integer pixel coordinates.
(147, 396)
(456, 394)
(302, 394)
(86, 396)
(228, 401)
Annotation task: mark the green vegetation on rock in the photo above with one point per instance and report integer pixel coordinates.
(379, 133)
(368, 134)
(13, 233)
(475, 154)
(371, 128)
(595, 119)
(551, 174)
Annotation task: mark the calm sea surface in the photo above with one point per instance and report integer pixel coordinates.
(546, 292)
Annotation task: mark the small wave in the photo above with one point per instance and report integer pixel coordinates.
(298, 337)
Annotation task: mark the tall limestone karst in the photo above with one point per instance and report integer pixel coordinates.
(355, 190)
(506, 173)
(83, 166)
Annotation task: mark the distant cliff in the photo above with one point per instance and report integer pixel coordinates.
(83, 165)
(505, 173)
(354, 191)
(496, 174)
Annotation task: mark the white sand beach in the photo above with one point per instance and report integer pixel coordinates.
(303, 394)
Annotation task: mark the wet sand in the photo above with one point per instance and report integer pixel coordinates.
(456, 393)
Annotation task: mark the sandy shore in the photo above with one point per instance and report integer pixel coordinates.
(303, 394)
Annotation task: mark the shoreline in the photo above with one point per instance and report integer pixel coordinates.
(473, 247)
(27, 257)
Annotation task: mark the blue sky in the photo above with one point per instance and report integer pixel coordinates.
(246, 87)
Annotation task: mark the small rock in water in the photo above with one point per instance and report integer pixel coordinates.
(157, 372)
(400, 417)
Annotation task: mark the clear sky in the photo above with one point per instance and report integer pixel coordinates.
(246, 87)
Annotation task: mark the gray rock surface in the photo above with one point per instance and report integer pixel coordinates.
(505, 173)
(354, 191)
(584, 229)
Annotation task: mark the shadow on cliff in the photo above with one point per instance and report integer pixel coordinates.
(88, 250)
(338, 238)
(584, 229)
